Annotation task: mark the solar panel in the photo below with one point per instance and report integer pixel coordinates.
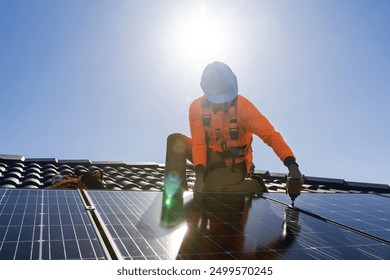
(367, 213)
(134, 223)
(146, 225)
(46, 224)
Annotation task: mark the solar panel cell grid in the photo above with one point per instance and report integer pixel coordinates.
(364, 212)
(132, 220)
(39, 224)
(53, 224)
(225, 227)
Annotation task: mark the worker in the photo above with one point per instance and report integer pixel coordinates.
(222, 123)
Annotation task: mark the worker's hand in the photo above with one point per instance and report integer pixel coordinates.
(199, 182)
(294, 173)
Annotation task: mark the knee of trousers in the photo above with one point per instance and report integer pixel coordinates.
(175, 143)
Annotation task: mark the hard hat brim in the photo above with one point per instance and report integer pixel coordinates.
(223, 98)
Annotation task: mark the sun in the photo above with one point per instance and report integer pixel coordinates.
(201, 37)
(199, 33)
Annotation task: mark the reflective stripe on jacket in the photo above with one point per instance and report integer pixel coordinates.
(250, 121)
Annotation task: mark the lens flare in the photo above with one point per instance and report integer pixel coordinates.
(172, 183)
(168, 201)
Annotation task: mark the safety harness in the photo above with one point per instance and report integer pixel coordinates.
(231, 150)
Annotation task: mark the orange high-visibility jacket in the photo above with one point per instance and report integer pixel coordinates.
(250, 121)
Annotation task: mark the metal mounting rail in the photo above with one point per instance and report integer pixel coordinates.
(106, 242)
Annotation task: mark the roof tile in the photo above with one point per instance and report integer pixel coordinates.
(17, 172)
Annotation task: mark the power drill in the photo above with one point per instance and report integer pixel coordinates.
(293, 188)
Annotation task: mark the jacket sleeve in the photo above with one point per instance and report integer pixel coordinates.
(260, 126)
(197, 135)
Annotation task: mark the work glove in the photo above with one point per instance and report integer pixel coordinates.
(199, 182)
(294, 173)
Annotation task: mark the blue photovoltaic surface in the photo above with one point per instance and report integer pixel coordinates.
(46, 224)
(368, 213)
(224, 226)
(53, 224)
(133, 222)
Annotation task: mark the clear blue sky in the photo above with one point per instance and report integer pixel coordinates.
(109, 80)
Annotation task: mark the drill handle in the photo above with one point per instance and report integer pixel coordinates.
(293, 187)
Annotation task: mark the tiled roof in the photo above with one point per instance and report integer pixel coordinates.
(37, 173)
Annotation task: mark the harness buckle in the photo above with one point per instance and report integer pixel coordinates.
(233, 130)
(206, 119)
(237, 152)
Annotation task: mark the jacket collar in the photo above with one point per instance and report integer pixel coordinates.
(206, 104)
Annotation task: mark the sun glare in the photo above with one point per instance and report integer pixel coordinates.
(200, 34)
(200, 37)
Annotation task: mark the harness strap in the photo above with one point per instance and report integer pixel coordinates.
(234, 150)
(206, 119)
(233, 131)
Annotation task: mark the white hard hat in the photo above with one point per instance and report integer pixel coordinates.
(219, 83)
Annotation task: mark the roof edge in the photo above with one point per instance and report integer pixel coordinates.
(12, 157)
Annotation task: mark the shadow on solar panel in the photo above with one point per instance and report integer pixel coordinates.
(238, 226)
(220, 227)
